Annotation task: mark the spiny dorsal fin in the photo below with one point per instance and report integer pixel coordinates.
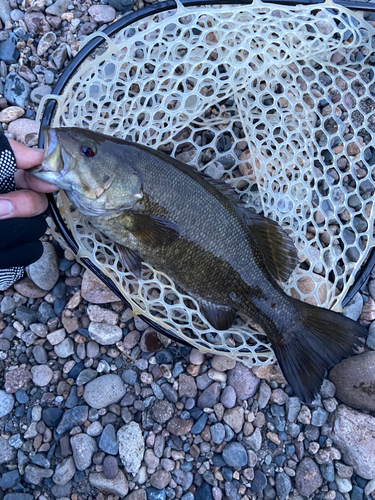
(276, 245)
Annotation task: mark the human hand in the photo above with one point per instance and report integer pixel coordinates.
(30, 199)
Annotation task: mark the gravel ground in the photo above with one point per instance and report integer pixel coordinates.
(94, 403)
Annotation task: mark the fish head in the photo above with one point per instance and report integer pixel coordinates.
(91, 169)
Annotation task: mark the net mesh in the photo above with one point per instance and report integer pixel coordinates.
(279, 102)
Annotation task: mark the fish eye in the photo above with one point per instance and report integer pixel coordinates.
(87, 151)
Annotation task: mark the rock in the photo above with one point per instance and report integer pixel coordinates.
(10, 114)
(131, 446)
(259, 482)
(29, 289)
(105, 334)
(58, 8)
(319, 417)
(243, 381)
(99, 314)
(72, 418)
(102, 13)
(35, 475)
(110, 467)
(64, 471)
(234, 417)
(117, 486)
(187, 386)
(199, 424)
(45, 272)
(354, 308)
(160, 479)
(59, 56)
(25, 131)
(8, 50)
(235, 454)
(46, 42)
(344, 485)
(86, 376)
(254, 442)
(40, 355)
(17, 379)
(93, 290)
(354, 436)
(56, 337)
(104, 390)
(150, 341)
(354, 379)
(108, 442)
(264, 395)
(271, 373)
(6, 403)
(18, 496)
(131, 339)
(283, 485)
(308, 477)
(42, 375)
(228, 397)
(83, 448)
(121, 6)
(209, 396)
(7, 452)
(179, 427)
(222, 363)
(39, 92)
(16, 90)
(52, 416)
(162, 411)
(10, 479)
(65, 348)
(217, 433)
(293, 406)
(370, 342)
(36, 23)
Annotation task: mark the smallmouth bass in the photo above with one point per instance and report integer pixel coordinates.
(163, 212)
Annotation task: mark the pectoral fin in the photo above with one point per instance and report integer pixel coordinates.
(220, 317)
(154, 231)
(276, 245)
(131, 260)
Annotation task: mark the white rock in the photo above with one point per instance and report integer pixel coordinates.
(102, 13)
(117, 486)
(42, 375)
(83, 448)
(45, 272)
(131, 446)
(45, 43)
(103, 391)
(57, 336)
(6, 403)
(65, 348)
(98, 314)
(105, 334)
(25, 131)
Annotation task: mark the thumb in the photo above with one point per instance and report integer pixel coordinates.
(23, 203)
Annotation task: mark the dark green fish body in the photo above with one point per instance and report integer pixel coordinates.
(162, 212)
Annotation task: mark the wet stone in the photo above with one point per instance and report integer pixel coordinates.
(110, 467)
(259, 482)
(155, 494)
(319, 417)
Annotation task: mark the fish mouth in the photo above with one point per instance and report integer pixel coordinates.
(55, 162)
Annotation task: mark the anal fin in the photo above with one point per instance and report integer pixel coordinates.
(131, 260)
(220, 317)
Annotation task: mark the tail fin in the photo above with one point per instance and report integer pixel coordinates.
(322, 339)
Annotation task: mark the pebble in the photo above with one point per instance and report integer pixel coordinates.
(254, 442)
(58, 8)
(308, 477)
(319, 417)
(121, 5)
(155, 494)
(65, 348)
(45, 43)
(243, 381)
(235, 455)
(42, 375)
(52, 416)
(344, 485)
(25, 131)
(105, 334)
(110, 467)
(6, 403)
(10, 114)
(353, 434)
(259, 482)
(35, 475)
(107, 442)
(354, 379)
(234, 417)
(72, 418)
(217, 433)
(118, 485)
(39, 92)
(8, 49)
(83, 448)
(196, 357)
(16, 90)
(131, 446)
(209, 396)
(179, 427)
(64, 471)
(17, 379)
(283, 485)
(222, 363)
(162, 411)
(104, 390)
(228, 397)
(160, 479)
(102, 13)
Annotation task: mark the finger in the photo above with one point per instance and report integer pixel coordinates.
(26, 157)
(23, 203)
(25, 180)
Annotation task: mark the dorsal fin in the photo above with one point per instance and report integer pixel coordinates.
(276, 245)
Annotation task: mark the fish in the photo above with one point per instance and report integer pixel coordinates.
(163, 212)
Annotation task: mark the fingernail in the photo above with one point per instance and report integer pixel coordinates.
(6, 208)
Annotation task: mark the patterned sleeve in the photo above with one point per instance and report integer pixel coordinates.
(7, 184)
